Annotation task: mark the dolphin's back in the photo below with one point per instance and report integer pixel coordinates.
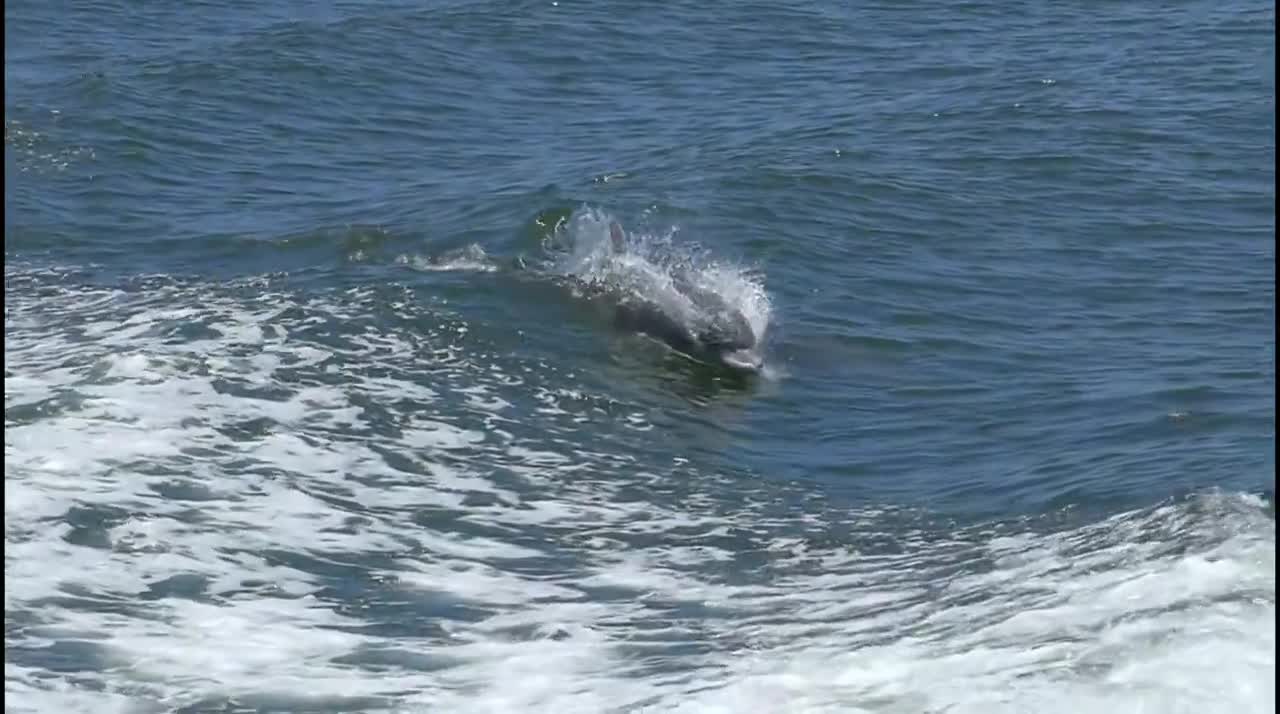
(635, 315)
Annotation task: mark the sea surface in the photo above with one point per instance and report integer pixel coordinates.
(310, 405)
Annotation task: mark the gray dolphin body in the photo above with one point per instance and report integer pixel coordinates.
(726, 339)
(722, 335)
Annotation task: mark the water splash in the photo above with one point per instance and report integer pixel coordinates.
(470, 258)
(684, 279)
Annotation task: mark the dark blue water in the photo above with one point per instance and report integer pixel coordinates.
(306, 408)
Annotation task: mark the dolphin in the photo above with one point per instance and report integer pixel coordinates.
(721, 334)
(726, 340)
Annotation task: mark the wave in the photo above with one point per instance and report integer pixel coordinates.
(254, 497)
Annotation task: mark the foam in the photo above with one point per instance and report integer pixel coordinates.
(218, 518)
(471, 258)
(40, 151)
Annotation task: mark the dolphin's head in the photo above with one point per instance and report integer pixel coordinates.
(730, 339)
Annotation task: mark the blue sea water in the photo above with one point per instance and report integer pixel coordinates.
(307, 409)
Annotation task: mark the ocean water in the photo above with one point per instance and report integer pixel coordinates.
(310, 405)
